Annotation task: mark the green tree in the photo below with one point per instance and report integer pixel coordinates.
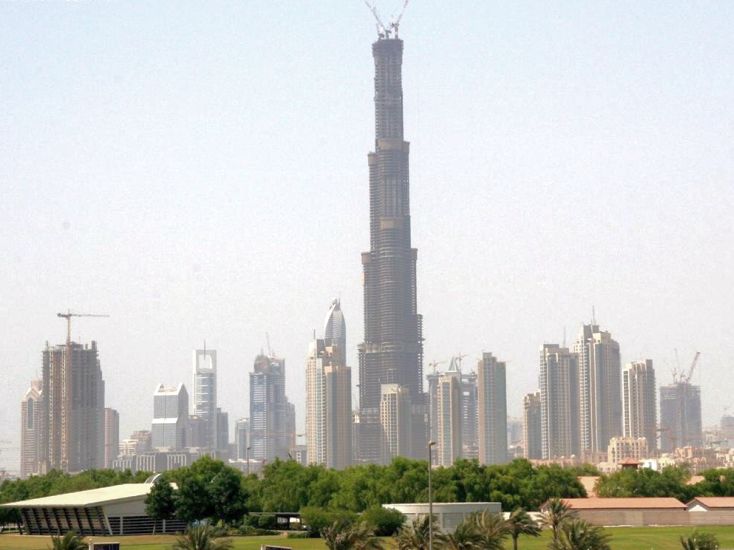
(384, 521)
(317, 519)
(700, 541)
(554, 514)
(520, 523)
(192, 499)
(201, 537)
(492, 529)
(346, 535)
(160, 503)
(415, 535)
(577, 534)
(227, 495)
(70, 541)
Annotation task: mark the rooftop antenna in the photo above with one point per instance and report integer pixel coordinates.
(593, 315)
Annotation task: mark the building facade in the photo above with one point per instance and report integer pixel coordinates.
(449, 416)
(272, 430)
(627, 448)
(470, 416)
(170, 418)
(532, 433)
(242, 438)
(600, 392)
(680, 416)
(639, 402)
(32, 430)
(73, 391)
(559, 402)
(392, 351)
(205, 394)
(492, 405)
(111, 436)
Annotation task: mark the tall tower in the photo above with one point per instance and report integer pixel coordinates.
(532, 439)
(32, 432)
(492, 401)
(205, 394)
(450, 415)
(600, 392)
(271, 430)
(559, 402)
(392, 351)
(170, 417)
(111, 436)
(680, 416)
(640, 407)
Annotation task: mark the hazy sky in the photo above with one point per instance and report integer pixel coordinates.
(198, 170)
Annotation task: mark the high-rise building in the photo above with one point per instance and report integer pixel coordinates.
(32, 430)
(111, 436)
(727, 430)
(532, 438)
(470, 416)
(329, 396)
(222, 445)
(205, 394)
(559, 402)
(639, 402)
(272, 430)
(449, 417)
(73, 390)
(170, 417)
(680, 416)
(392, 351)
(395, 421)
(600, 392)
(242, 438)
(492, 401)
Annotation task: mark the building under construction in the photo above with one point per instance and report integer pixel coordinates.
(392, 351)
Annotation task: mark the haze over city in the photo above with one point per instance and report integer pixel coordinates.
(199, 173)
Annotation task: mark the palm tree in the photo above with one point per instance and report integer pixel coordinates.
(201, 537)
(577, 534)
(70, 541)
(492, 530)
(520, 523)
(415, 535)
(343, 535)
(465, 537)
(556, 513)
(700, 541)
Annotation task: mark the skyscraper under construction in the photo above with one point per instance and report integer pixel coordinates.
(392, 351)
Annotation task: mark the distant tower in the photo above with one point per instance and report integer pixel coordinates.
(639, 402)
(395, 421)
(559, 402)
(492, 400)
(271, 430)
(532, 441)
(392, 351)
(73, 390)
(241, 438)
(111, 436)
(470, 416)
(205, 394)
(32, 430)
(680, 416)
(600, 392)
(170, 417)
(449, 417)
(335, 331)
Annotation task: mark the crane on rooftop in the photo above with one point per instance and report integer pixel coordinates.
(390, 30)
(68, 315)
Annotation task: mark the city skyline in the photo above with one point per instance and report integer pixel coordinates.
(234, 314)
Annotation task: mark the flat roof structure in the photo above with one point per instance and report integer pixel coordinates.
(448, 514)
(638, 503)
(115, 510)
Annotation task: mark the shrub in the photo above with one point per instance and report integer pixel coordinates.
(384, 521)
(316, 519)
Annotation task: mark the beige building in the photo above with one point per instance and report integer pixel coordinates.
(559, 402)
(111, 436)
(639, 401)
(395, 421)
(532, 439)
(449, 415)
(492, 405)
(32, 435)
(622, 448)
(600, 393)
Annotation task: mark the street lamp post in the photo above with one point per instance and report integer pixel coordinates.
(430, 496)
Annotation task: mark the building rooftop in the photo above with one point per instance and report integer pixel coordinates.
(83, 499)
(714, 502)
(640, 503)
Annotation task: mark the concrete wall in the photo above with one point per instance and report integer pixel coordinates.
(638, 518)
(448, 515)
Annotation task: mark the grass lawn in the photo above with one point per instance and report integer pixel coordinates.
(623, 538)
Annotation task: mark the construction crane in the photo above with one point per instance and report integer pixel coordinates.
(680, 377)
(435, 364)
(687, 377)
(68, 315)
(391, 30)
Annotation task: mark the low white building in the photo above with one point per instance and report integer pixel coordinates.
(448, 514)
(115, 510)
